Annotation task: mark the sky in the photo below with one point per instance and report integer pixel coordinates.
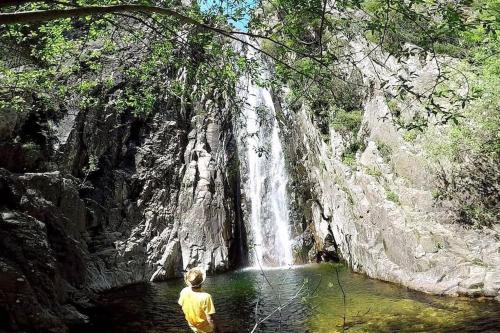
(230, 6)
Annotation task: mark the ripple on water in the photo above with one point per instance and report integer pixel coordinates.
(241, 298)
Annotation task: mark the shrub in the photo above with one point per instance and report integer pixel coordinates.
(411, 135)
(466, 154)
(346, 122)
(385, 151)
(349, 154)
(349, 158)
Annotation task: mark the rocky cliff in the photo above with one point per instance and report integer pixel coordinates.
(378, 212)
(116, 199)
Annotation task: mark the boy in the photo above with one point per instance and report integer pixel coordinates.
(197, 305)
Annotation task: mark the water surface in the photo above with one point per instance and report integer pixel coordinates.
(244, 297)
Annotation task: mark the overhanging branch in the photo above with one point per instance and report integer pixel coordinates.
(54, 14)
(6, 3)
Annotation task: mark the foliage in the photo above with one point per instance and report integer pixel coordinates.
(346, 122)
(128, 63)
(308, 41)
(314, 44)
(139, 63)
(410, 135)
(92, 166)
(32, 153)
(313, 55)
(374, 172)
(467, 153)
(392, 196)
(385, 151)
(349, 154)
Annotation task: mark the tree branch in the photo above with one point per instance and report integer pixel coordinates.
(279, 308)
(343, 299)
(321, 28)
(54, 14)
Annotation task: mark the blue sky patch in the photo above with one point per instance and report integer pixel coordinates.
(237, 10)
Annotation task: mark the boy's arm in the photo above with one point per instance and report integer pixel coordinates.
(210, 311)
(181, 298)
(211, 322)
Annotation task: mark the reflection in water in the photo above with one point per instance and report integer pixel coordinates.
(241, 298)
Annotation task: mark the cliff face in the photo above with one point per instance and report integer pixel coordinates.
(119, 199)
(380, 214)
(166, 202)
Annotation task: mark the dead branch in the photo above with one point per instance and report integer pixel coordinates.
(279, 308)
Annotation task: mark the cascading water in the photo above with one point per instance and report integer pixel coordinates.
(267, 179)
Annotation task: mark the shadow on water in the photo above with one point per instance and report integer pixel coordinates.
(244, 297)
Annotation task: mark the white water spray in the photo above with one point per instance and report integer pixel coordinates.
(267, 179)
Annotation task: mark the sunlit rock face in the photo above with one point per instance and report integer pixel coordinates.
(380, 214)
(162, 199)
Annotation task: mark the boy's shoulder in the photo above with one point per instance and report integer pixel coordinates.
(207, 297)
(201, 294)
(205, 294)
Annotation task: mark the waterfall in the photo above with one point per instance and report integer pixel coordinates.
(266, 179)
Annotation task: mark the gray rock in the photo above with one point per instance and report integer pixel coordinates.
(163, 197)
(403, 237)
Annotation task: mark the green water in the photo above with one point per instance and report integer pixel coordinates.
(245, 297)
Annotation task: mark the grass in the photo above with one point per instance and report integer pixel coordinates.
(385, 151)
(374, 172)
(392, 196)
(349, 158)
(411, 135)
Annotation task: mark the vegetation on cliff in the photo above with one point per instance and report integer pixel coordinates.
(134, 56)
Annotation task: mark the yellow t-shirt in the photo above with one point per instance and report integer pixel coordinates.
(196, 305)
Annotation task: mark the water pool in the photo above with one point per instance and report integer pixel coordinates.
(244, 297)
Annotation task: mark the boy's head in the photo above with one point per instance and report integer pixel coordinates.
(194, 277)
